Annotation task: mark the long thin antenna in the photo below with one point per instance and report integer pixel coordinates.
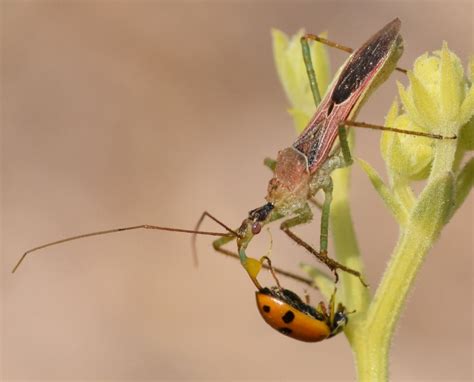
(97, 233)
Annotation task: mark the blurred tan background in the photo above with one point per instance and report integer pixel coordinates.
(122, 113)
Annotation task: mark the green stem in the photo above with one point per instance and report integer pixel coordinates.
(345, 243)
(404, 193)
(445, 152)
(372, 348)
(371, 344)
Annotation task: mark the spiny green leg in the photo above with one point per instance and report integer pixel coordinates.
(346, 152)
(218, 243)
(313, 83)
(305, 216)
(323, 241)
(328, 189)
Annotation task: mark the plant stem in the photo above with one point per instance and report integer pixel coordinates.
(345, 242)
(372, 340)
(370, 332)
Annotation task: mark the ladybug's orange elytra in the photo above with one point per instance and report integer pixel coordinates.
(285, 312)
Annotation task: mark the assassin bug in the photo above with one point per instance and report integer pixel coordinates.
(303, 169)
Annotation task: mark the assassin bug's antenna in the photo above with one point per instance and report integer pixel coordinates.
(98, 233)
(229, 235)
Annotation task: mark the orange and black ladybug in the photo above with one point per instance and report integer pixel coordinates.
(284, 311)
(287, 313)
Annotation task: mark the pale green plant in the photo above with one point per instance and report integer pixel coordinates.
(439, 99)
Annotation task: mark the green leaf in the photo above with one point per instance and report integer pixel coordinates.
(424, 102)
(464, 183)
(451, 84)
(409, 105)
(405, 155)
(393, 205)
(467, 107)
(466, 136)
(433, 208)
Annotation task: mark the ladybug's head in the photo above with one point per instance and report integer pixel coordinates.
(339, 320)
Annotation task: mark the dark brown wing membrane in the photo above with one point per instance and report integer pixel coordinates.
(364, 60)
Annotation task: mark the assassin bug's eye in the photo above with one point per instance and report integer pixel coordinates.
(256, 228)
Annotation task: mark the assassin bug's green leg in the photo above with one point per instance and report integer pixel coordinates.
(251, 265)
(304, 216)
(327, 187)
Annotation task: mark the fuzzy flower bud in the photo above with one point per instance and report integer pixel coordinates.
(438, 100)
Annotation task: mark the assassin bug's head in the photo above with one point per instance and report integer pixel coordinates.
(253, 224)
(258, 216)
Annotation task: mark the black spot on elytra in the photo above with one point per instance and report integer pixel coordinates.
(285, 331)
(288, 317)
(266, 308)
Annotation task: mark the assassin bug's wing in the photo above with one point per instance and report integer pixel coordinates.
(369, 66)
(363, 72)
